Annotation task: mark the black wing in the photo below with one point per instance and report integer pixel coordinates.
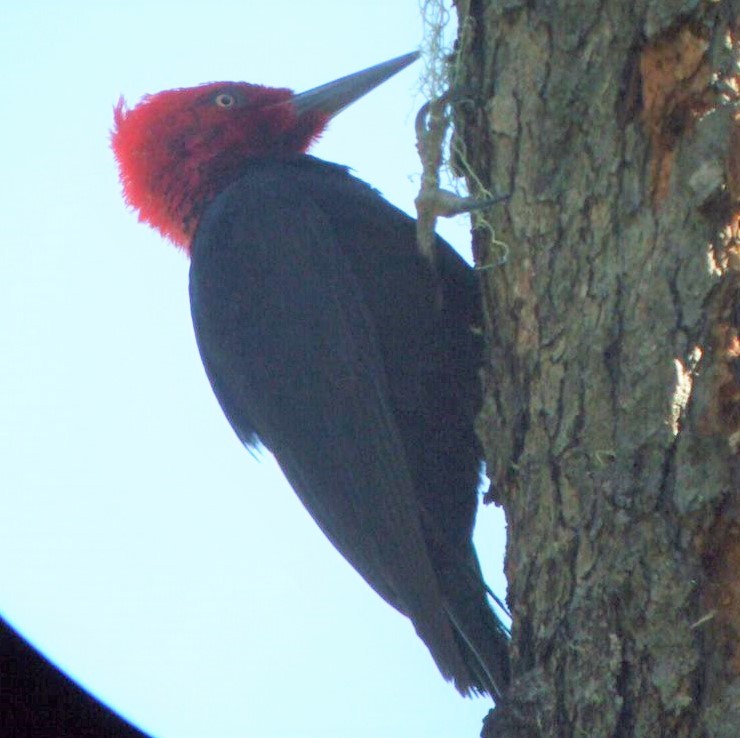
(327, 338)
(293, 357)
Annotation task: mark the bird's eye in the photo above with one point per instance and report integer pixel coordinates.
(225, 100)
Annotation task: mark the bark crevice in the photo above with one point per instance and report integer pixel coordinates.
(611, 415)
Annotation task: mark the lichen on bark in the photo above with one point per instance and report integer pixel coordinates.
(611, 420)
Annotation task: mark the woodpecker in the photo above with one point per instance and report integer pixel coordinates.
(330, 340)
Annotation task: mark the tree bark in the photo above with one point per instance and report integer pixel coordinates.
(611, 419)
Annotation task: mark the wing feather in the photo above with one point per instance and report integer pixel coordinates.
(293, 356)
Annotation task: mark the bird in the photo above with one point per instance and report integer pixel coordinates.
(330, 340)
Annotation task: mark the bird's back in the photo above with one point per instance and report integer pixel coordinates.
(329, 338)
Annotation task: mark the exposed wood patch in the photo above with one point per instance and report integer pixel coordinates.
(676, 77)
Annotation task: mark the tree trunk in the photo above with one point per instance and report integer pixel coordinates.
(611, 420)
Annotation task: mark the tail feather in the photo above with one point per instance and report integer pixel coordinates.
(484, 644)
(473, 650)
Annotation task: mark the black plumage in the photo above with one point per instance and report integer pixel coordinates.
(329, 339)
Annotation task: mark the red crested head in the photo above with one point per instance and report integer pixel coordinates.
(178, 149)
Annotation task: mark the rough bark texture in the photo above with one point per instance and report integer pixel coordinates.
(612, 414)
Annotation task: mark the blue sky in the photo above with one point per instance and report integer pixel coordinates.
(141, 547)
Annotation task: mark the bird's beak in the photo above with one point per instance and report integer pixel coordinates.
(335, 96)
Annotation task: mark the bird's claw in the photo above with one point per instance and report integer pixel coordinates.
(446, 204)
